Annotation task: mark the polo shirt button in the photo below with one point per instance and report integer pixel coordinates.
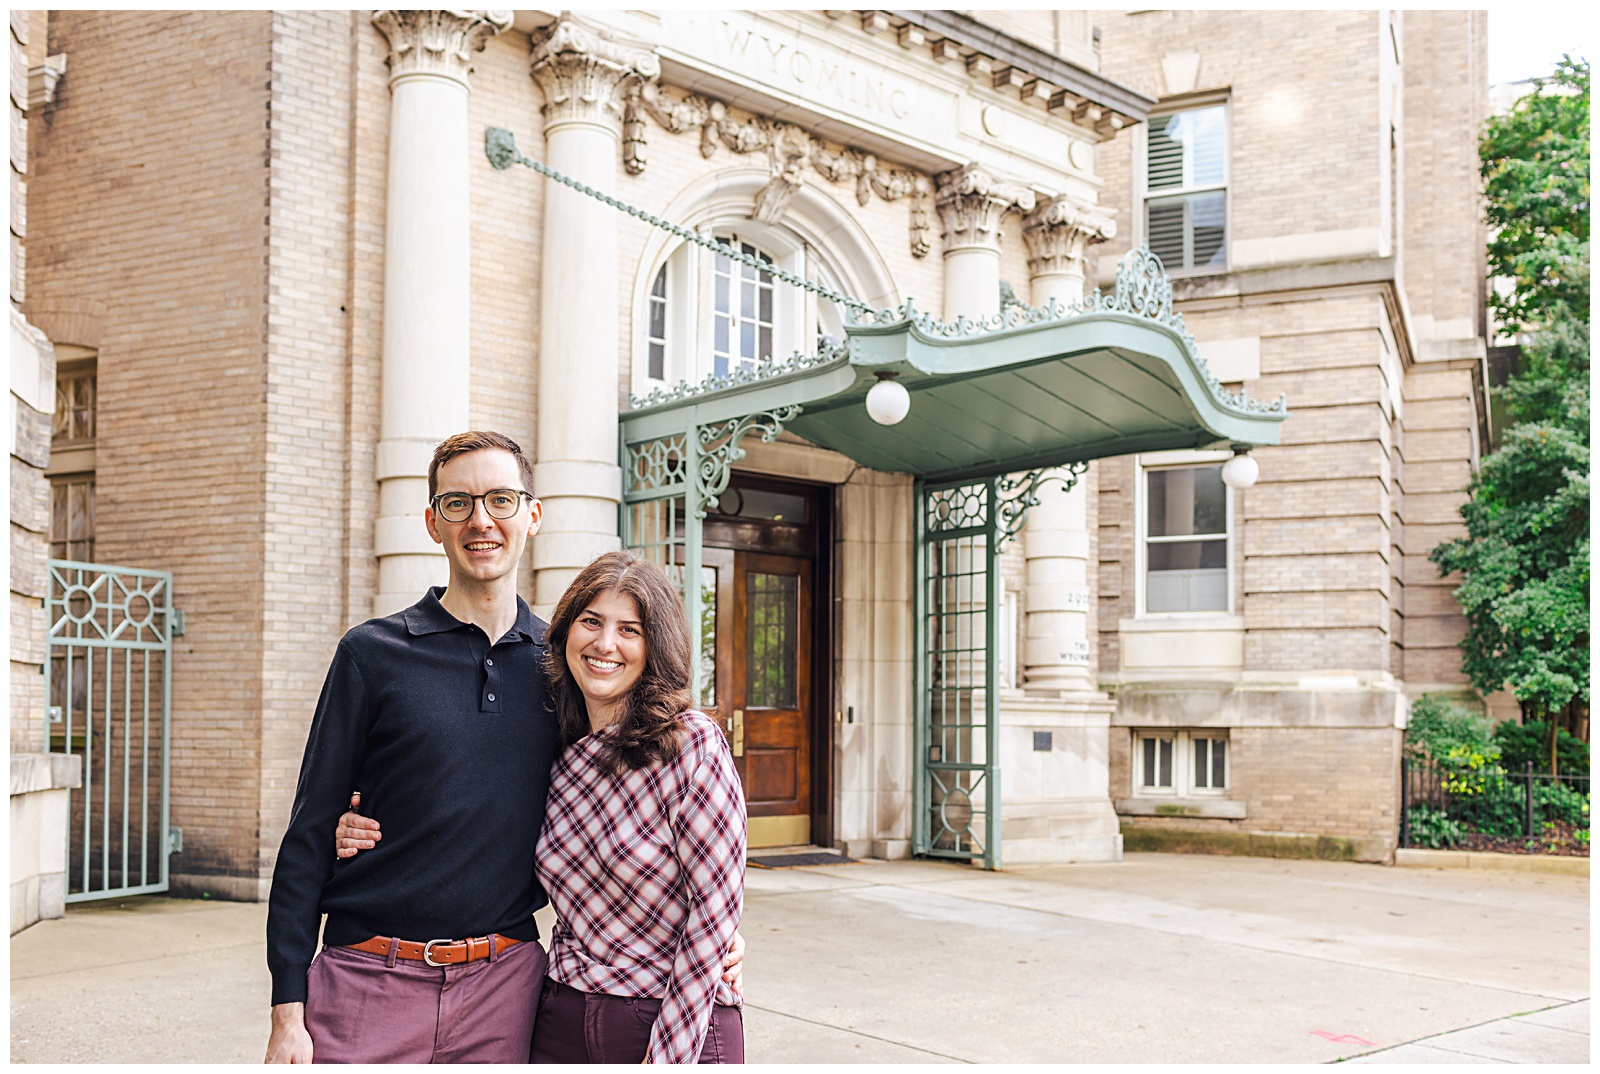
(490, 661)
(491, 697)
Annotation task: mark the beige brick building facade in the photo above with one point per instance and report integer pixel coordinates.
(1338, 290)
(210, 222)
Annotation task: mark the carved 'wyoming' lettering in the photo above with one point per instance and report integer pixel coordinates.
(829, 80)
(738, 41)
(872, 95)
(774, 48)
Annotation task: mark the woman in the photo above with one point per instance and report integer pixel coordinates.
(642, 851)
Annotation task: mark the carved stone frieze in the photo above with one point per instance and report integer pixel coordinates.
(1060, 229)
(586, 75)
(437, 42)
(789, 150)
(647, 98)
(971, 200)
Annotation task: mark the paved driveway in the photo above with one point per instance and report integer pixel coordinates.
(1161, 958)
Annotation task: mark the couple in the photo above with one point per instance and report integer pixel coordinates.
(506, 760)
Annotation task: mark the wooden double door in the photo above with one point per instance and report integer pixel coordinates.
(762, 658)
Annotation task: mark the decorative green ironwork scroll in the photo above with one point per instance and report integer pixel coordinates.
(669, 483)
(719, 450)
(1019, 493)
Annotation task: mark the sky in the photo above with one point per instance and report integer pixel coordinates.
(1527, 39)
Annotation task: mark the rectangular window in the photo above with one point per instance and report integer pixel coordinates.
(741, 310)
(772, 603)
(75, 407)
(656, 336)
(1186, 540)
(1155, 769)
(1180, 763)
(71, 471)
(1186, 201)
(1210, 763)
(72, 517)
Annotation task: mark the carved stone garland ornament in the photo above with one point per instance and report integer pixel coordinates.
(790, 150)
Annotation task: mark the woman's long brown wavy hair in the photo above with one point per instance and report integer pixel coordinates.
(647, 731)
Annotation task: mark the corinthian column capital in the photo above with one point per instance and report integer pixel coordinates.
(585, 74)
(971, 201)
(437, 42)
(1060, 229)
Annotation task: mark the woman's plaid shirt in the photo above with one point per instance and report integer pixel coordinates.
(646, 874)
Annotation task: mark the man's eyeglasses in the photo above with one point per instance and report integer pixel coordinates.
(458, 506)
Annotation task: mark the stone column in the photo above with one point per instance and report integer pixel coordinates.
(1056, 537)
(971, 201)
(584, 76)
(1058, 232)
(427, 277)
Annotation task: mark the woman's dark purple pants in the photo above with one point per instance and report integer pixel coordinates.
(590, 1027)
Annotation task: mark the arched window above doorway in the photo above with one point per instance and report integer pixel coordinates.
(705, 314)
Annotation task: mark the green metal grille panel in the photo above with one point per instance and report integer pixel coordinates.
(108, 678)
(957, 788)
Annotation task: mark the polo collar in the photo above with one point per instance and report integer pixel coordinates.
(428, 616)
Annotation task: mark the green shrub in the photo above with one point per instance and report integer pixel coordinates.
(1439, 726)
(1496, 807)
(1432, 828)
(1521, 743)
(1557, 801)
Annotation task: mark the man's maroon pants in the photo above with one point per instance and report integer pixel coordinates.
(591, 1027)
(364, 1008)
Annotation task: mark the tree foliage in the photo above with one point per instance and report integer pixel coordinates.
(1525, 567)
(1524, 561)
(1535, 169)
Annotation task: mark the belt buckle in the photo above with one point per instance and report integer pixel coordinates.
(427, 953)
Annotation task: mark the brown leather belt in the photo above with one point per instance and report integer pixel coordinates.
(437, 952)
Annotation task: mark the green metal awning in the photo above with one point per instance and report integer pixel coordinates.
(995, 407)
(1035, 388)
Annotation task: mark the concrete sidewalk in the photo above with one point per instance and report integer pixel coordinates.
(1161, 958)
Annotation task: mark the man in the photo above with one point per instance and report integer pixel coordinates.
(437, 714)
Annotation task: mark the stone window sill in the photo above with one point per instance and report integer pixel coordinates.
(1223, 808)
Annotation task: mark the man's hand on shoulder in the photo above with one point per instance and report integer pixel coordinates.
(289, 1042)
(355, 832)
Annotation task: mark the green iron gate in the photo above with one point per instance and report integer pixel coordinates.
(962, 529)
(108, 678)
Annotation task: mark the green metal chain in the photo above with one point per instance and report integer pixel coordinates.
(501, 147)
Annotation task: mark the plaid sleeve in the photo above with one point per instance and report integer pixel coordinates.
(709, 842)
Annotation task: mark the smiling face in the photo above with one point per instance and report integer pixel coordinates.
(606, 653)
(483, 551)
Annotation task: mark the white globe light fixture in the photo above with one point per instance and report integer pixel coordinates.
(1241, 471)
(888, 402)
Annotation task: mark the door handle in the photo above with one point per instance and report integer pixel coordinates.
(738, 732)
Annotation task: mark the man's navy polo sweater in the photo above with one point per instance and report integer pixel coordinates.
(450, 743)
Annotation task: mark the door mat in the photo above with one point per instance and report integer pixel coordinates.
(790, 861)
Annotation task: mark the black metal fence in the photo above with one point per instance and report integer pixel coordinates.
(1490, 807)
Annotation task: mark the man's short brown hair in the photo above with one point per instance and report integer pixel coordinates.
(477, 440)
